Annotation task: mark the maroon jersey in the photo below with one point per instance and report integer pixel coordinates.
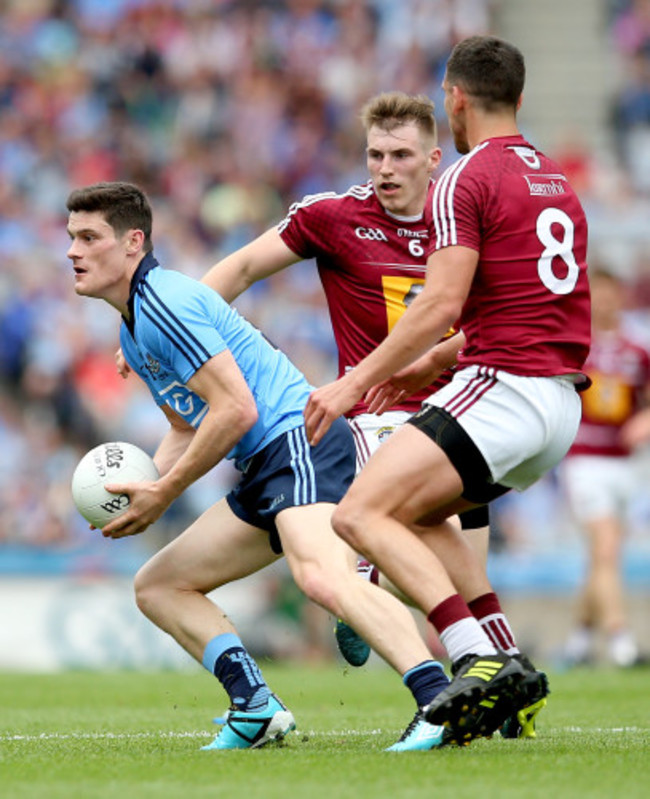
(619, 372)
(371, 264)
(528, 310)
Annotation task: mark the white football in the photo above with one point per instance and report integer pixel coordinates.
(113, 462)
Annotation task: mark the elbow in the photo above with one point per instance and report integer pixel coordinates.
(438, 308)
(450, 312)
(247, 416)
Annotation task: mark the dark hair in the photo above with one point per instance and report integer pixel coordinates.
(123, 205)
(391, 109)
(489, 69)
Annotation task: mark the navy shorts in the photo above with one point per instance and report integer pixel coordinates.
(289, 472)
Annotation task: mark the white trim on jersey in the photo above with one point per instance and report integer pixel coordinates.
(358, 191)
(443, 194)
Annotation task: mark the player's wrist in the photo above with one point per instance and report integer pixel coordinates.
(356, 383)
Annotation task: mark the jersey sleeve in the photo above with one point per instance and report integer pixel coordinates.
(307, 228)
(458, 208)
(182, 328)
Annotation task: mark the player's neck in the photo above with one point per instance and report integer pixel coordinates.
(120, 303)
(482, 127)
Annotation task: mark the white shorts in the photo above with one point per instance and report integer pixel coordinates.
(599, 486)
(523, 426)
(370, 430)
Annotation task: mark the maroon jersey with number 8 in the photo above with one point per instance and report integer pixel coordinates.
(528, 310)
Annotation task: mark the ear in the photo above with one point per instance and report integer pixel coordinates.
(459, 98)
(134, 241)
(435, 156)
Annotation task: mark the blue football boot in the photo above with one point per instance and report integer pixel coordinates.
(252, 729)
(420, 736)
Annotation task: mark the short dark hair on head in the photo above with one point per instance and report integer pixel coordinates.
(123, 205)
(491, 70)
(391, 109)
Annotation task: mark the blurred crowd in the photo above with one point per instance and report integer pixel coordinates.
(224, 113)
(630, 26)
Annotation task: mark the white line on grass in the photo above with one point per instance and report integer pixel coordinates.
(603, 729)
(98, 736)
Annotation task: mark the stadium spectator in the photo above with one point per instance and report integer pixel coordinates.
(211, 107)
(630, 32)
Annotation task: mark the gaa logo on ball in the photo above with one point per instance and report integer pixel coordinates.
(113, 462)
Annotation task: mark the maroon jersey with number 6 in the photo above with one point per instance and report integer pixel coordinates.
(371, 264)
(528, 310)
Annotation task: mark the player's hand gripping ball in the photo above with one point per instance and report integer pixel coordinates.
(113, 462)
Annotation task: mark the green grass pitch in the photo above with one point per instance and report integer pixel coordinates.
(135, 735)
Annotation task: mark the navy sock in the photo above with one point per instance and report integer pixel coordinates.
(426, 681)
(226, 657)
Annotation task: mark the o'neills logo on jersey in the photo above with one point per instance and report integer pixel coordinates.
(404, 233)
(372, 233)
(546, 185)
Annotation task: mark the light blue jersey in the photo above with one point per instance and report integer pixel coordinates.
(177, 324)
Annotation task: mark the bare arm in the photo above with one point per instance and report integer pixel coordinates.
(449, 276)
(263, 257)
(635, 433)
(420, 374)
(175, 441)
(231, 413)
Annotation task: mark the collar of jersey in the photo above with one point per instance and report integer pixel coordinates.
(405, 219)
(145, 265)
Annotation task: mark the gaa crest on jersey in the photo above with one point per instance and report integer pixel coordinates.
(152, 365)
(154, 368)
(372, 233)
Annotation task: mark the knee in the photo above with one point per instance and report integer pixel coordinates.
(349, 522)
(318, 586)
(146, 591)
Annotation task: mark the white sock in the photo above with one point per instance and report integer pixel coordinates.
(623, 649)
(466, 637)
(580, 644)
(367, 571)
